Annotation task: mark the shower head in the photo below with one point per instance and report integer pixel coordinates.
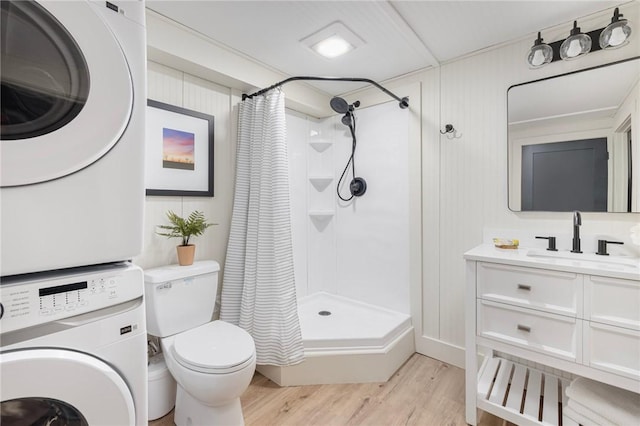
(339, 105)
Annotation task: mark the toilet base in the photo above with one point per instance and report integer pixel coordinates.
(191, 412)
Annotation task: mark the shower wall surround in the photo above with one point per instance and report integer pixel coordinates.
(357, 249)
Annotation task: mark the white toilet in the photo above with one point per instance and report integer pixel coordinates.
(212, 361)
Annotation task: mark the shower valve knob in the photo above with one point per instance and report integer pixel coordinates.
(358, 187)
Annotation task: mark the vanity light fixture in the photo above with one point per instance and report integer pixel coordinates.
(540, 53)
(617, 33)
(576, 45)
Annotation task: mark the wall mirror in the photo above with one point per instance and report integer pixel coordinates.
(573, 141)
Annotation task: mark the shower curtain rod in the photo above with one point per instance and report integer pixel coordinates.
(404, 102)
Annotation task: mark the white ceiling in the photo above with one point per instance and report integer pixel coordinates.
(400, 36)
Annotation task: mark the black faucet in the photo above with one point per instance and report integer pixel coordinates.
(577, 221)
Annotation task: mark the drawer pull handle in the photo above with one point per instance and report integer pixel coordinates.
(524, 328)
(524, 287)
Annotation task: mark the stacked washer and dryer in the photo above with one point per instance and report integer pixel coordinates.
(72, 321)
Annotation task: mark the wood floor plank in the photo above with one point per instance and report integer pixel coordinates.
(423, 392)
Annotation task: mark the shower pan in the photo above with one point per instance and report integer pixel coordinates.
(346, 341)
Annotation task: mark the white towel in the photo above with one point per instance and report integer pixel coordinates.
(587, 413)
(576, 417)
(615, 405)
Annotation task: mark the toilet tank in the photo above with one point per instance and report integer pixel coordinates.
(179, 298)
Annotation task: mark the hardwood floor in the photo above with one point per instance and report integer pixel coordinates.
(422, 392)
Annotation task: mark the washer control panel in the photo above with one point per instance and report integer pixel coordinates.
(43, 299)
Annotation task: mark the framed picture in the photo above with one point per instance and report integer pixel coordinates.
(179, 151)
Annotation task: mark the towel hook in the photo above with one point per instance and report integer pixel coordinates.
(451, 132)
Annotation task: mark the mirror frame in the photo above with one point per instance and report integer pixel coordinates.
(509, 162)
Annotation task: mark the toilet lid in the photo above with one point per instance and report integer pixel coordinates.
(215, 347)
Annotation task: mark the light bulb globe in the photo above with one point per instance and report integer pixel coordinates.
(539, 55)
(615, 35)
(575, 46)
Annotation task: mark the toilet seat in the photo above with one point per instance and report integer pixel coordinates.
(216, 347)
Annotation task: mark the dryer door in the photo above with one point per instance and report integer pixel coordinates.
(39, 385)
(66, 90)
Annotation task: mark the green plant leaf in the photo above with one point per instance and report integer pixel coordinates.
(193, 226)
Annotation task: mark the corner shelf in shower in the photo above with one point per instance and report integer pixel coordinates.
(321, 218)
(320, 183)
(320, 145)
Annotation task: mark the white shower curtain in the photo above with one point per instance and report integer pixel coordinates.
(258, 290)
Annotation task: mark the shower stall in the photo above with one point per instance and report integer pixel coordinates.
(351, 258)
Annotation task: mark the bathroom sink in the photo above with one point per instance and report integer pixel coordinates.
(587, 259)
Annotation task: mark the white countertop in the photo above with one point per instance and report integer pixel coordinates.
(583, 263)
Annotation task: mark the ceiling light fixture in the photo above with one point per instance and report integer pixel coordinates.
(617, 33)
(540, 53)
(333, 40)
(332, 47)
(576, 45)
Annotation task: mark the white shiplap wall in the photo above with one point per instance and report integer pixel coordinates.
(471, 188)
(175, 87)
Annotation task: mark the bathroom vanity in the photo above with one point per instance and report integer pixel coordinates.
(536, 319)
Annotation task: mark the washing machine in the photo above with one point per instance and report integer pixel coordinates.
(73, 347)
(72, 133)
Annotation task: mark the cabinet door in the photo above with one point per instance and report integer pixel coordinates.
(549, 291)
(554, 335)
(612, 301)
(612, 349)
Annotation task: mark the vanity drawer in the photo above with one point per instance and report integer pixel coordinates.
(612, 349)
(549, 291)
(612, 301)
(554, 335)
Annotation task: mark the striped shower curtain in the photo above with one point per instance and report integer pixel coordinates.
(258, 290)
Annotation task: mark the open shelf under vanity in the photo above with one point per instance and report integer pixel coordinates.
(521, 394)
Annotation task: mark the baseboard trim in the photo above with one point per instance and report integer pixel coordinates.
(442, 351)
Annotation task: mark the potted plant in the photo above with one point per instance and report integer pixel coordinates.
(192, 226)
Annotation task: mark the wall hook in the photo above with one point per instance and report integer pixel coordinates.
(451, 132)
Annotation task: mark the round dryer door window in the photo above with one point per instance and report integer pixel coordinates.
(66, 89)
(75, 389)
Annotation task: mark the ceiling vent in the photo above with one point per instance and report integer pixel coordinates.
(333, 40)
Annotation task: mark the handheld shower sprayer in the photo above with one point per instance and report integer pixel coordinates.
(341, 106)
(358, 185)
